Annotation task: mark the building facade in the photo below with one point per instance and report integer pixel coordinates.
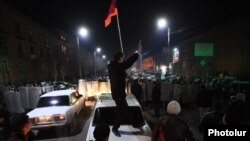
(231, 52)
(30, 52)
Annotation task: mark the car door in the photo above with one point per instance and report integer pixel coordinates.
(76, 103)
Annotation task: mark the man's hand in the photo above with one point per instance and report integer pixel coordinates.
(139, 47)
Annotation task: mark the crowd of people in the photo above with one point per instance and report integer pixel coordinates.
(219, 104)
(218, 101)
(14, 128)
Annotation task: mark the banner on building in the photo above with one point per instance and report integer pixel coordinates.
(204, 49)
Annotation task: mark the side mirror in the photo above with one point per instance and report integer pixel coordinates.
(79, 96)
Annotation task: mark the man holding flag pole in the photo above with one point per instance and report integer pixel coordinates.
(117, 74)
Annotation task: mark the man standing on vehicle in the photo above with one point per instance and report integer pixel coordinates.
(117, 74)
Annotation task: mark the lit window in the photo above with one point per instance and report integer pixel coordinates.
(62, 37)
(63, 49)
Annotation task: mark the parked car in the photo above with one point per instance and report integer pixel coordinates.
(57, 109)
(104, 113)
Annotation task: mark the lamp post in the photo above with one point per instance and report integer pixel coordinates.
(83, 32)
(96, 51)
(162, 24)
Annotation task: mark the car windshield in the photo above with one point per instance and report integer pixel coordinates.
(53, 101)
(106, 115)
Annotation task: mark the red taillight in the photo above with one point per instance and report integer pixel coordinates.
(59, 117)
(62, 117)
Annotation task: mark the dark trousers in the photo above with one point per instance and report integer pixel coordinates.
(123, 112)
(157, 108)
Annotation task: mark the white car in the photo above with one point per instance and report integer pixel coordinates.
(105, 113)
(57, 108)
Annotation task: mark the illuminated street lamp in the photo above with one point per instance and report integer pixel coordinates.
(162, 24)
(83, 32)
(103, 56)
(98, 50)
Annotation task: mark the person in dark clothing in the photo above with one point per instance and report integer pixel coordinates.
(101, 132)
(117, 74)
(156, 97)
(4, 123)
(136, 89)
(237, 112)
(204, 100)
(212, 118)
(171, 127)
(20, 128)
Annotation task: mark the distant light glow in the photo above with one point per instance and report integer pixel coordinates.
(98, 49)
(162, 23)
(54, 102)
(170, 66)
(83, 32)
(103, 56)
(176, 55)
(163, 69)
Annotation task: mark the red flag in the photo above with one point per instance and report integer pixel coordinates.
(113, 11)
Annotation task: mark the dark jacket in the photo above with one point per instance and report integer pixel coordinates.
(18, 136)
(156, 93)
(173, 128)
(237, 113)
(210, 119)
(136, 89)
(4, 126)
(117, 75)
(205, 98)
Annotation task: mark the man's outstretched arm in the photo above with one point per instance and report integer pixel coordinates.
(131, 60)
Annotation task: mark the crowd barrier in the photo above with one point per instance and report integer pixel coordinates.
(93, 88)
(26, 98)
(186, 94)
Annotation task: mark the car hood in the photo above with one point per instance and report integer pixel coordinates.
(48, 111)
(128, 133)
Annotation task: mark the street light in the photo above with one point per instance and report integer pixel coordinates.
(103, 56)
(98, 50)
(162, 24)
(83, 32)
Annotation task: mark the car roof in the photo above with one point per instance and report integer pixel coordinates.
(59, 93)
(106, 100)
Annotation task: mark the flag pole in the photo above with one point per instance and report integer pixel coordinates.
(120, 36)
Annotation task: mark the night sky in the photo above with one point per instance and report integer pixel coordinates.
(137, 19)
